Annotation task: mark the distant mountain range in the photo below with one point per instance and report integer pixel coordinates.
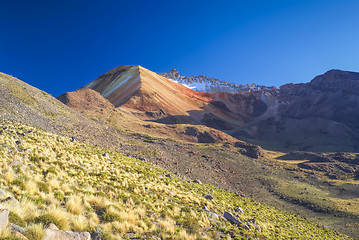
(317, 116)
(211, 85)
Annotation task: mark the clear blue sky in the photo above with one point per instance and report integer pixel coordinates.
(59, 46)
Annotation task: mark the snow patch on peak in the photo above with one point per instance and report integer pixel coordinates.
(205, 84)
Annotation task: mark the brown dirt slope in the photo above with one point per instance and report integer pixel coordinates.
(93, 105)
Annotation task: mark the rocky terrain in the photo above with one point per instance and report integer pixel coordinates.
(321, 187)
(316, 116)
(212, 85)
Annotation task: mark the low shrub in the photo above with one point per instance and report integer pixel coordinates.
(16, 219)
(46, 219)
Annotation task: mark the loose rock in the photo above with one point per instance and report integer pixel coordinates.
(11, 200)
(4, 218)
(96, 236)
(2, 193)
(197, 181)
(209, 197)
(205, 208)
(16, 228)
(231, 218)
(213, 215)
(19, 235)
(52, 227)
(51, 234)
(240, 210)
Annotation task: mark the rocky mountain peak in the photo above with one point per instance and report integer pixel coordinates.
(337, 79)
(174, 73)
(202, 83)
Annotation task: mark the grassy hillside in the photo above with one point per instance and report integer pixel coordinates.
(83, 188)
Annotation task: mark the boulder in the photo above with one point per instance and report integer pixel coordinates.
(208, 197)
(19, 235)
(213, 215)
(197, 181)
(4, 218)
(52, 227)
(51, 234)
(18, 163)
(16, 228)
(96, 236)
(250, 150)
(2, 193)
(11, 200)
(234, 220)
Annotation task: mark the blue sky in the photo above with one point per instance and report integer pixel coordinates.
(59, 46)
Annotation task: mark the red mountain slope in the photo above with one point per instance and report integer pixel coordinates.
(142, 91)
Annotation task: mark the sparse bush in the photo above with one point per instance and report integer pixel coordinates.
(110, 217)
(104, 234)
(43, 187)
(51, 170)
(11, 238)
(17, 169)
(37, 159)
(46, 219)
(16, 219)
(59, 195)
(20, 183)
(191, 225)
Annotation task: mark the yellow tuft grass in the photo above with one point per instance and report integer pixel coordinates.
(61, 215)
(35, 232)
(168, 225)
(75, 205)
(183, 235)
(80, 223)
(31, 187)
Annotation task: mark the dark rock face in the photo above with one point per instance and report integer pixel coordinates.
(333, 95)
(325, 109)
(202, 136)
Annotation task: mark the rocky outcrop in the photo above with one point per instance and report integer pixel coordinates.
(229, 216)
(250, 150)
(53, 233)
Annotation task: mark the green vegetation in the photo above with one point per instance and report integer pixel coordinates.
(75, 187)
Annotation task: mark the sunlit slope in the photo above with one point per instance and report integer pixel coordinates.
(83, 188)
(138, 89)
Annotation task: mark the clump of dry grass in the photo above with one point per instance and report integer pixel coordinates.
(35, 232)
(75, 205)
